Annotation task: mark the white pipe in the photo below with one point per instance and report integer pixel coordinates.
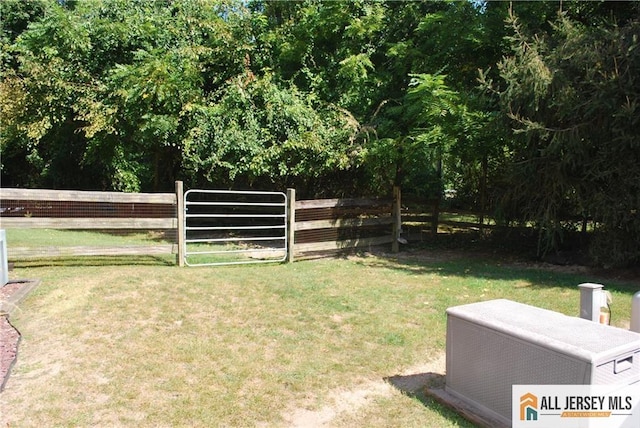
(635, 313)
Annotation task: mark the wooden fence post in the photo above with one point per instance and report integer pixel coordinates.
(396, 219)
(435, 215)
(180, 226)
(291, 223)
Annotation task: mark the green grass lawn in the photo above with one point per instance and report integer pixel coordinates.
(154, 345)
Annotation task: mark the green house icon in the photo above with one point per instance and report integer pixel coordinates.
(531, 414)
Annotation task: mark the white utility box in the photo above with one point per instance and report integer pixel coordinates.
(495, 344)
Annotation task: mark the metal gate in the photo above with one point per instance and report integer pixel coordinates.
(234, 227)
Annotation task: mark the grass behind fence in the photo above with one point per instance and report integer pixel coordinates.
(251, 345)
(33, 238)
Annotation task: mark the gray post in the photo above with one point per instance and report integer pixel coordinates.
(4, 263)
(590, 301)
(635, 313)
(291, 223)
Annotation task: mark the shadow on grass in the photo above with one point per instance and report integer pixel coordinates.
(494, 265)
(95, 261)
(415, 386)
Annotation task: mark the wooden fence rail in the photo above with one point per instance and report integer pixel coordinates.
(89, 210)
(330, 225)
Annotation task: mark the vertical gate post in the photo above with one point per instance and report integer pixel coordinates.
(180, 226)
(291, 223)
(396, 219)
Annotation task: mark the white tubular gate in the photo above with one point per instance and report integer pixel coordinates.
(224, 227)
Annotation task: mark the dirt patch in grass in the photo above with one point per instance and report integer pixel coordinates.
(411, 381)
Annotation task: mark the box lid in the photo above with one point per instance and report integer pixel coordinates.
(581, 338)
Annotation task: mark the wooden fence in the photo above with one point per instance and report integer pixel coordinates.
(86, 210)
(422, 218)
(331, 225)
(315, 226)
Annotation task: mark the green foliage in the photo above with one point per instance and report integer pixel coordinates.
(325, 48)
(441, 131)
(111, 78)
(149, 92)
(572, 97)
(257, 130)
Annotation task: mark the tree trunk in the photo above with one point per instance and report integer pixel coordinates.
(483, 191)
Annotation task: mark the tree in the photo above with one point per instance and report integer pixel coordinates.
(99, 89)
(256, 131)
(37, 135)
(133, 95)
(572, 96)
